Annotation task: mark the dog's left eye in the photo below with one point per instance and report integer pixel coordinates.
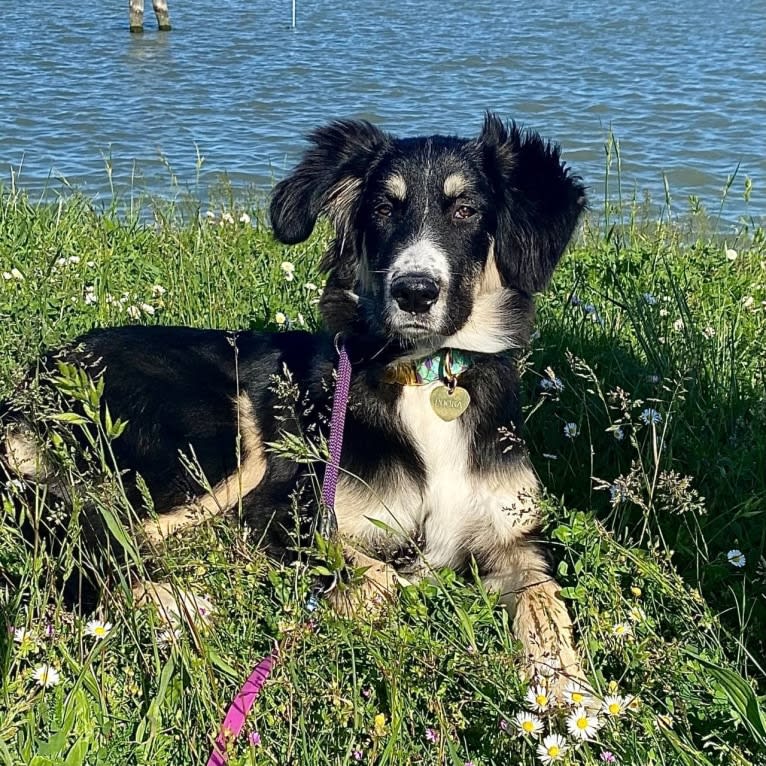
(464, 212)
(384, 210)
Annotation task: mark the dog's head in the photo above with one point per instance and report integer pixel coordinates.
(439, 241)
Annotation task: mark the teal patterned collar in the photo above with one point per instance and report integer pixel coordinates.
(444, 364)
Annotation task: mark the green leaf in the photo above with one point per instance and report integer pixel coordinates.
(741, 697)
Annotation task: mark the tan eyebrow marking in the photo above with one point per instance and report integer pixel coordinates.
(455, 184)
(396, 186)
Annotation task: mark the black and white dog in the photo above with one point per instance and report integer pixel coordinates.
(440, 243)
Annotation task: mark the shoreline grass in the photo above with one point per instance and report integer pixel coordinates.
(645, 418)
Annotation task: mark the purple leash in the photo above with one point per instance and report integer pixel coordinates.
(245, 699)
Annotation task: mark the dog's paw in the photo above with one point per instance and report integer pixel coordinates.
(369, 595)
(174, 605)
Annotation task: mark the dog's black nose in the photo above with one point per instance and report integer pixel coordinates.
(415, 293)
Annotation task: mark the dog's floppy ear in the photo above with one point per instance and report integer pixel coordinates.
(539, 202)
(328, 179)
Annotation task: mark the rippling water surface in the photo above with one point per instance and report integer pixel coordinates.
(681, 84)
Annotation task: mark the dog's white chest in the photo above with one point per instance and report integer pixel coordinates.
(456, 508)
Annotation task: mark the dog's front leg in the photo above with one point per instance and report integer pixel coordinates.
(540, 618)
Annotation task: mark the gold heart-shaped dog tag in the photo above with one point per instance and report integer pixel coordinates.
(449, 405)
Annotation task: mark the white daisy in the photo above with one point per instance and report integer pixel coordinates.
(581, 725)
(46, 676)
(527, 724)
(288, 269)
(19, 634)
(576, 694)
(227, 218)
(244, 218)
(158, 291)
(551, 749)
(538, 698)
(622, 629)
(147, 308)
(98, 629)
(731, 254)
(133, 312)
(613, 705)
(280, 318)
(736, 558)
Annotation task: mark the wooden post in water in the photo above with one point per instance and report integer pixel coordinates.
(136, 12)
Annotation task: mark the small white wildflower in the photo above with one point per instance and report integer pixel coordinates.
(576, 694)
(310, 286)
(210, 215)
(552, 748)
(613, 705)
(650, 416)
(736, 558)
(19, 634)
(747, 301)
(527, 724)
(73, 259)
(280, 318)
(16, 274)
(244, 218)
(636, 614)
(538, 698)
(678, 325)
(227, 218)
(98, 629)
(619, 433)
(147, 308)
(709, 332)
(582, 725)
(622, 630)
(731, 254)
(158, 291)
(649, 299)
(664, 312)
(90, 295)
(133, 312)
(46, 675)
(288, 269)
(90, 264)
(571, 430)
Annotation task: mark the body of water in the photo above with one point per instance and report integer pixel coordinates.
(681, 83)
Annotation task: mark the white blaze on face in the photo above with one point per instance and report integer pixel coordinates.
(424, 257)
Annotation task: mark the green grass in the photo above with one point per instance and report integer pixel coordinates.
(642, 318)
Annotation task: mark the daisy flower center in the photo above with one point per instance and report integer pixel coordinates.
(554, 750)
(582, 723)
(527, 726)
(541, 699)
(614, 708)
(577, 697)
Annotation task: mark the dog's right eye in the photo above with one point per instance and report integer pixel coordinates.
(384, 210)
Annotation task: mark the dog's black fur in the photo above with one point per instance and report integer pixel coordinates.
(440, 243)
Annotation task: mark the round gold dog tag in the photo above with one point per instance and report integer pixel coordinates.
(449, 405)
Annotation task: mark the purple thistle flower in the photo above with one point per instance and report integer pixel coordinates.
(432, 735)
(607, 756)
(254, 739)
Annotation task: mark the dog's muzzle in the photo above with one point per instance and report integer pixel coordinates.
(415, 293)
